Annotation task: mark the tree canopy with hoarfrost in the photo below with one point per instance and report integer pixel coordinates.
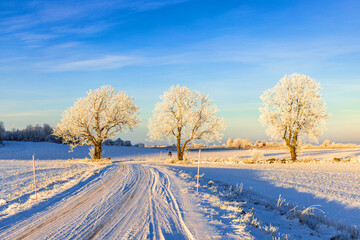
(103, 113)
(183, 114)
(294, 110)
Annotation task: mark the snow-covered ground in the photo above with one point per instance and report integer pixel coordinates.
(53, 151)
(318, 154)
(332, 187)
(53, 177)
(238, 213)
(151, 199)
(129, 202)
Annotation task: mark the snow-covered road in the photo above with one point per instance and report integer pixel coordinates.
(131, 201)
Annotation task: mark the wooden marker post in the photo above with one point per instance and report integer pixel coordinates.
(198, 173)
(34, 176)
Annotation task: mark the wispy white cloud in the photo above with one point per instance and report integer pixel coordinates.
(269, 54)
(263, 51)
(19, 22)
(148, 5)
(102, 63)
(81, 17)
(33, 38)
(81, 30)
(64, 45)
(259, 53)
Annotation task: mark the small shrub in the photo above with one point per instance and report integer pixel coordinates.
(309, 218)
(171, 161)
(354, 232)
(248, 161)
(283, 161)
(175, 161)
(254, 222)
(271, 230)
(271, 160)
(256, 154)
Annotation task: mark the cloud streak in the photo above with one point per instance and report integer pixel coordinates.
(102, 63)
(58, 19)
(257, 53)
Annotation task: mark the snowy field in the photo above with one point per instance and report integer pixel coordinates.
(52, 151)
(333, 187)
(317, 154)
(53, 177)
(235, 201)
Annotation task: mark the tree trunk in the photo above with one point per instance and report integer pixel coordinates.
(183, 147)
(293, 153)
(97, 152)
(179, 151)
(292, 149)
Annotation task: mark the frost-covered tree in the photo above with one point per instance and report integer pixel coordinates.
(47, 129)
(326, 143)
(238, 143)
(183, 114)
(241, 143)
(32, 133)
(293, 110)
(229, 142)
(97, 117)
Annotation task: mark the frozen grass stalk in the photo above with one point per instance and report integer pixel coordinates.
(280, 202)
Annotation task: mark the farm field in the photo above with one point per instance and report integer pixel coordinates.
(235, 201)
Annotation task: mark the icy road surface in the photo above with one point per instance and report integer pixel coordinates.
(131, 201)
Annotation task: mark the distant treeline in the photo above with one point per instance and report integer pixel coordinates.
(240, 143)
(44, 133)
(32, 133)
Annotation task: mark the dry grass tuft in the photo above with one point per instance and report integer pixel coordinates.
(90, 160)
(176, 161)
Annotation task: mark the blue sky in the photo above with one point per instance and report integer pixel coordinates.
(52, 52)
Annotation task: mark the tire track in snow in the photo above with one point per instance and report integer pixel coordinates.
(103, 224)
(135, 205)
(66, 211)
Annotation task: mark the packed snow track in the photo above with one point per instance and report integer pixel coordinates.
(135, 202)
